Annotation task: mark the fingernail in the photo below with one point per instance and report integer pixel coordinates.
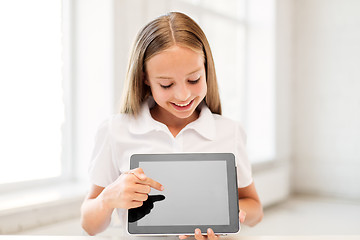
(209, 231)
(142, 176)
(242, 219)
(162, 188)
(197, 231)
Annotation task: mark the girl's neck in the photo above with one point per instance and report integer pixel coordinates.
(174, 124)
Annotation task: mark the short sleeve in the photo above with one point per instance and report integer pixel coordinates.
(103, 169)
(244, 174)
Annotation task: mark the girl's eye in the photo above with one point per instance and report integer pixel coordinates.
(166, 86)
(194, 81)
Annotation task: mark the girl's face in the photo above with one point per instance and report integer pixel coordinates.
(177, 79)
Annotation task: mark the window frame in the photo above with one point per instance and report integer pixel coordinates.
(67, 153)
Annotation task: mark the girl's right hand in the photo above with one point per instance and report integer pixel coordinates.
(130, 190)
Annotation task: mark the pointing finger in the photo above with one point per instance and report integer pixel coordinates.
(154, 184)
(139, 173)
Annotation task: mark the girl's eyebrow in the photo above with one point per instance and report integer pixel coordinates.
(165, 77)
(197, 70)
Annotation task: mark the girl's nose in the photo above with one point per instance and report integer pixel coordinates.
(182, 93)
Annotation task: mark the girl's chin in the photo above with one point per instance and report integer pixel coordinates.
(183, 114)
(180, 112)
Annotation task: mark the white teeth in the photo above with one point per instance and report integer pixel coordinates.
(182, 105)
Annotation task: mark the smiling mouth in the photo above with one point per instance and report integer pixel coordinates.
(182, 106)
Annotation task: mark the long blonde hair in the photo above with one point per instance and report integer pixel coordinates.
(158, 35)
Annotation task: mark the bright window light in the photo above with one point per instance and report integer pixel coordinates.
(31, 93)
(244, 58)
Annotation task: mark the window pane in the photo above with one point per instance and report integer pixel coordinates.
(195, 2)
(231, 8)
(228, 52)
(189, 9)
(261, 84)
(31, 97)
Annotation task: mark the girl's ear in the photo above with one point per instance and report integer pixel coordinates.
(145, 79)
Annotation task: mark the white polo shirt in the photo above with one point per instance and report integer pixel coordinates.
(123, 135)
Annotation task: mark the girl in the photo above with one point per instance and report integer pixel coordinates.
(170, 104)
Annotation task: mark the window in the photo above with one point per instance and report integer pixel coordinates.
(241, 35)
(32, 96)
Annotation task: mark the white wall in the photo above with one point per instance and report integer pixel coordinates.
(93, 74)
(283, 76)
(326, 107)
(272, 181)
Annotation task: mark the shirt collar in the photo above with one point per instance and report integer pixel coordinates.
(144, 123)
(205, 124)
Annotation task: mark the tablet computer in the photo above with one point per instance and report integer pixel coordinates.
(200, 192)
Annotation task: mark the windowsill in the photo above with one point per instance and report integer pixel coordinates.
(272, 181)
(33, 207)
(260, 166)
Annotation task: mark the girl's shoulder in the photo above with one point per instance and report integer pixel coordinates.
(115, 122)
(226, 121)
(227, 124)
(221, 120)
(221, 124)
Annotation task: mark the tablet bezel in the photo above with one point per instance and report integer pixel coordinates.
(234, 225)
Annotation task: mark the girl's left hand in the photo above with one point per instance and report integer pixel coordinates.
(210, 233)
(242, 216)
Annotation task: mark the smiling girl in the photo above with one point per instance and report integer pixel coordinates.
(170, 104)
